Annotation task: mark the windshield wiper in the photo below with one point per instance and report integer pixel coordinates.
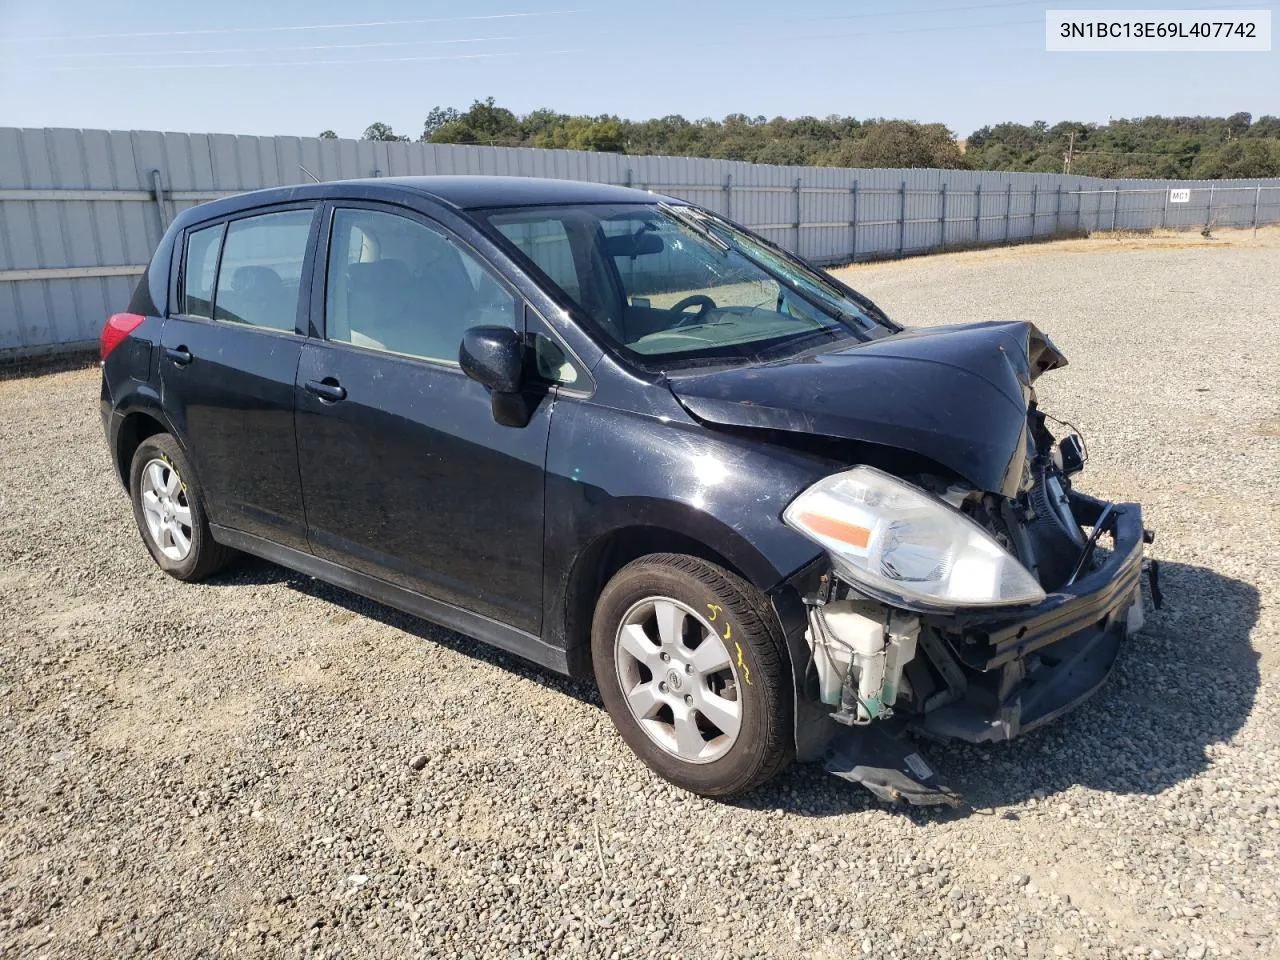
(694, 223)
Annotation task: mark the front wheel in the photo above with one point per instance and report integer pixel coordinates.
(692, 669)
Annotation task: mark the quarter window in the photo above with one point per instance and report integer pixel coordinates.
(261, 270)
(397, 285)
(199, 271)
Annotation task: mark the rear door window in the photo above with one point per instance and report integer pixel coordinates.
(261, 270)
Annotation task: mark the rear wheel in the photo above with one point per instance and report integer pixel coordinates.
(692, 670)
(170, 512)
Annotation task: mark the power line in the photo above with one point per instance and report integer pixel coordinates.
(214, 31)
(96, 54)
(331, 63)
(358, 61)
(322, 46)
(306, 26)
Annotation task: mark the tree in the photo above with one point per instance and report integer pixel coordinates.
(1165, 147)
(437, 118)
(381, 131)
(902, 143)
(485, 123)
(1244, 159)
(328, 135)
(1238, 124)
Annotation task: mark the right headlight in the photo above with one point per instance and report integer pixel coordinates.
(896, 540)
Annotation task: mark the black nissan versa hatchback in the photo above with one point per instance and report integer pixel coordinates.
(619, 435)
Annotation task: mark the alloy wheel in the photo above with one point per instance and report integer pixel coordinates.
(678, 679)
(166, 509)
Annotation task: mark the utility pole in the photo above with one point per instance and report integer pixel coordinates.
(1066, 160)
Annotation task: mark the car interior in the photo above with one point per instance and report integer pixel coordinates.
(397, 285)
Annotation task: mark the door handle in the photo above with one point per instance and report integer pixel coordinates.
(179, 355)
(328, 389)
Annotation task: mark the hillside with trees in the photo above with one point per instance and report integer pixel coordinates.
(1166, 147)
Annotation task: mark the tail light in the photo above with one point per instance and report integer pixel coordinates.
(116, 329)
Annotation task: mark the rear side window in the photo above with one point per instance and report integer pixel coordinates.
(261, 269)
(199, 272)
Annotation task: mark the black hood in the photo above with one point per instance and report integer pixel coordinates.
(955, 395)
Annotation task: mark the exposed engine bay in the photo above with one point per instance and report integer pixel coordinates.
(882, 670)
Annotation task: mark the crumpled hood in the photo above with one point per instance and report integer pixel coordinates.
(957, 395)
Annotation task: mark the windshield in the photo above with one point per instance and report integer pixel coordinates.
(669, 286)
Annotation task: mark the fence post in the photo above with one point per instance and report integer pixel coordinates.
(1035, 207)
(902, 219)
(853, 226)
(797, 223)
(1008, 207)
(1079, 205)
(1208, 217)
(157, 183)
(1257, 199)
(1164, 209)
(1057, 211)
(1115, 208)
(628, 176)
(977, 213)
(728, 196)
(942, 220)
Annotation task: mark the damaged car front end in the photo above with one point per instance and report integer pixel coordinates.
(967, 590)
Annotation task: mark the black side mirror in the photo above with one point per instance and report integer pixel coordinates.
(494, 357)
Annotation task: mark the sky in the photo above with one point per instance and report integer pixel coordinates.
(302, 66)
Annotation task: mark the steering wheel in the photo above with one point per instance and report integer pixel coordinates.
(701, 299)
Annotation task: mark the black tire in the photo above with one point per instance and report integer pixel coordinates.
(762, 675)
(206, 556)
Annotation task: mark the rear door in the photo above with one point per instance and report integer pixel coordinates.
(229, 357)
(406, 476)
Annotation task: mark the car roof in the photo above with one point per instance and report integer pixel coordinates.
(471, 192)
(461, 193)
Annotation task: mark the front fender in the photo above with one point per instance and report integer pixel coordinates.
(618, 475)
(608, 469)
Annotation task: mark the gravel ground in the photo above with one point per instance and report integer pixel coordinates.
(264, 765)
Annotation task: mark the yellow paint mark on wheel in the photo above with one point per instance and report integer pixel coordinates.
(715, 611)
(742, 664)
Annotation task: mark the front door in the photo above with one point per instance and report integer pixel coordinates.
(229, 358)
(405, 474)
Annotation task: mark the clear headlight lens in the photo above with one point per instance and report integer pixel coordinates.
(895, 539)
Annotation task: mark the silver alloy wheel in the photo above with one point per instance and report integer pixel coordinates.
(678, 680)
(166, 509)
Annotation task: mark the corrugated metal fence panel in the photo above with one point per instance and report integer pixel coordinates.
(79, 214)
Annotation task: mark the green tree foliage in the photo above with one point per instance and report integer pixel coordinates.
(1164, 147)
(381, 131)
(437, 118)
(328, 135)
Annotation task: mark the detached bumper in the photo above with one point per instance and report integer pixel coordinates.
(1011, 671)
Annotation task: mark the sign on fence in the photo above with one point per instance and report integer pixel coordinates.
(1179, 196)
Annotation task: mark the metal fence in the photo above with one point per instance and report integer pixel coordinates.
(82, 210)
